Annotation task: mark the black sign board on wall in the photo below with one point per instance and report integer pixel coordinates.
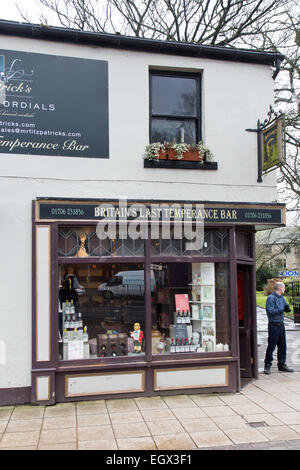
(52, 105)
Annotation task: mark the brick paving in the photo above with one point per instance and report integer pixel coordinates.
(264, 415)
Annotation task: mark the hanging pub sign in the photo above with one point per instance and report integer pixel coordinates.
(272, 145)
(270, 142)
(52, 105)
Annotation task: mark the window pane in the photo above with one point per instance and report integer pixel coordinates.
(84, 241)
(174, 96)
(100, 307)
(190, 308)
(166, 130)
(216, 243)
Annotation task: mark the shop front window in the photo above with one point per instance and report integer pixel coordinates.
(215, 243)
(101, 310)
(85, 241)
(190, 308)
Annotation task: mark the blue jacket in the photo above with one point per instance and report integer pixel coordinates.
(275, 307)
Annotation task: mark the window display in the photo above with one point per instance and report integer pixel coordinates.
(186, 306)
(101, 310)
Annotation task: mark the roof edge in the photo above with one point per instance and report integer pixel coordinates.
(55, 33)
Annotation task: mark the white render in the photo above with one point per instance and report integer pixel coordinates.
(235, 95)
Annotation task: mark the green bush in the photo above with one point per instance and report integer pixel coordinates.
(263, 274)
(288, 285)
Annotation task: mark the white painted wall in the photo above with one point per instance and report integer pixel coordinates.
(235, 95)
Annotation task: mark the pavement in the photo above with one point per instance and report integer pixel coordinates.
(292, 339)
(264, 415)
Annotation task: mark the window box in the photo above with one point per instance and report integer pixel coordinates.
(158, 155)
(191, 155)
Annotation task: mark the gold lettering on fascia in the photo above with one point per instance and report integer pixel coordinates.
(166, 213)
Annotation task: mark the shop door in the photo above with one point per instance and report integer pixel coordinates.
(244, 318)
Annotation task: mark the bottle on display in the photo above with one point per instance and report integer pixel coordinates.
(192, 345)
(209, 345)
(113, 350)
(75, 335)
(80, 323)
(65, 344)
(188, 318)
(177, 345)
(182, 317)
(178, 319)
(172, 346)
(161, 347)
(66, 339)
(186, 345)
(66, 319)
(103, 351)
(86, 346)
(85, 335)
(122, 349)
(181, 345)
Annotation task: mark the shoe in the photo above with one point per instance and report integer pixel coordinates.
(285, 368)
(267, 370)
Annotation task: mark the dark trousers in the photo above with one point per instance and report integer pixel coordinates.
(276, 338)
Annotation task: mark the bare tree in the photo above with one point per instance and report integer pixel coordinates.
(261, 24)
(271, 245)
(215, 22)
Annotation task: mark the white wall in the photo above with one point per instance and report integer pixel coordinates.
(235, 95)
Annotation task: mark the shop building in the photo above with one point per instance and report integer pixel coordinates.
(104, 292)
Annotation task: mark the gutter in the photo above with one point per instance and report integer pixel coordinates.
(118, 41)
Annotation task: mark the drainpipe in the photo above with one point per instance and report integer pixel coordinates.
(277, 70)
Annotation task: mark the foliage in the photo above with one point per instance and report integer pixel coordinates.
(262, 276)
(261, 299)
(152, 150)
(180, 149)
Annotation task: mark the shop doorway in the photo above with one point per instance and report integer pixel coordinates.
(244, 294)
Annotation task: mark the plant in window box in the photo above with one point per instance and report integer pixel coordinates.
(181, 151)
(205, 151)
(154, 150)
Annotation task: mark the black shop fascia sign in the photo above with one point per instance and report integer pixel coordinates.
(147, 212)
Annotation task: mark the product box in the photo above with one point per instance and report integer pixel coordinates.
(112, 345)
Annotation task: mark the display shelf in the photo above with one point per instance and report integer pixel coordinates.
(202, 296)
(202, 284)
